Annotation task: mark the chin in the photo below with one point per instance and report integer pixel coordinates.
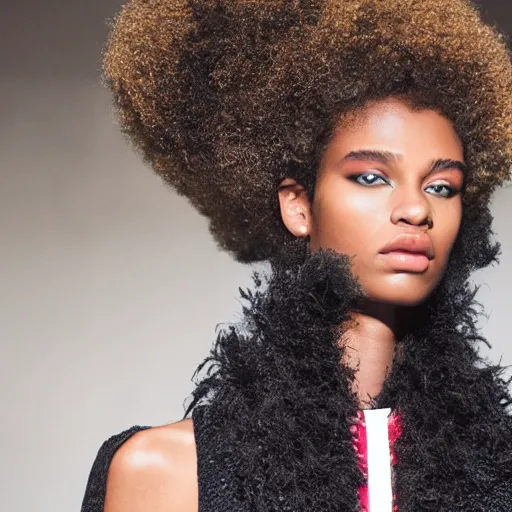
(402, 290)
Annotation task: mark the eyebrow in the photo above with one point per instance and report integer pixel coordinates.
(389, 158)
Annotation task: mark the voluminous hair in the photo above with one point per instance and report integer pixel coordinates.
(226, 98)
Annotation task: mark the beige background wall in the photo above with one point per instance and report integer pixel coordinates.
(111, 288)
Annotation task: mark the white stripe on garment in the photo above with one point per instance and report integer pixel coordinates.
(380, 490)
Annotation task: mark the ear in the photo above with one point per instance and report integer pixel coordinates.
(295, 207)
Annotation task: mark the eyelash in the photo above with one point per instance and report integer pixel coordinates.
(355, 177)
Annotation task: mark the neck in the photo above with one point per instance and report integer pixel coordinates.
(369, 343)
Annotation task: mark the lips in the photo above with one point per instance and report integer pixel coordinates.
(410, 243)
(408, 252)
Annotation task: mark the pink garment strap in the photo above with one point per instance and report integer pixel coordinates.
(358, 430)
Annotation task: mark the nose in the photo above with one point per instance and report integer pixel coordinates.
(411, 207)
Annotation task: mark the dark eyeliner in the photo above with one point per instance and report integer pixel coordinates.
(355, 177)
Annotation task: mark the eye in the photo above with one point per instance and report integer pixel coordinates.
(441, 190)
(369, 179)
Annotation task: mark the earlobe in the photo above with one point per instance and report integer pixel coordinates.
(295, 208)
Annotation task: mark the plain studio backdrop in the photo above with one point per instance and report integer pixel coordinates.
(111, 287)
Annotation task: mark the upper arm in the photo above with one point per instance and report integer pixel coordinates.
(154, 471)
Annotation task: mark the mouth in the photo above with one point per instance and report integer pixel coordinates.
(408, 252)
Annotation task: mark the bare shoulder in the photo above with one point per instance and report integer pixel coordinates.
(155, 471)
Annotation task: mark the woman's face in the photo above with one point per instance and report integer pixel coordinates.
(388, 194)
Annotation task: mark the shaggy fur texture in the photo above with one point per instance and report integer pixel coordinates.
(274, 433)
(225, 98)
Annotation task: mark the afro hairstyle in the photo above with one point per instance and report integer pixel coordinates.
(226, 98)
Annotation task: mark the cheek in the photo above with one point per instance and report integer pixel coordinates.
(345, 220)
(448, 229)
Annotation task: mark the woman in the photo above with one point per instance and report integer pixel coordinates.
(354, 144)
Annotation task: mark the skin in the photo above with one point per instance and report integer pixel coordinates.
(380, 201)
(156, 470)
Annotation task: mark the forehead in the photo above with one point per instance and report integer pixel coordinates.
(394, 126)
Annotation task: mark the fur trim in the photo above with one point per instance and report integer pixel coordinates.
(275, 406)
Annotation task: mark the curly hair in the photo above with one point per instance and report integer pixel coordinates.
(226, 98)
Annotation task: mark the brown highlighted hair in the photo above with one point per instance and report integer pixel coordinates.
(226, 98)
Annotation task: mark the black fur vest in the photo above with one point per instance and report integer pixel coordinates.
(273, 410)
